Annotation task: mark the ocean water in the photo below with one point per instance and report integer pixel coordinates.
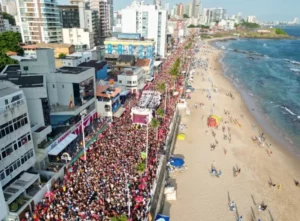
(268, 74)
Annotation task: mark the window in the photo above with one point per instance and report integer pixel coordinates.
(25, 68)
(2, 175)
(107, 108)
(128, 82)
(53, 85)
(63, 86)
(120, 81)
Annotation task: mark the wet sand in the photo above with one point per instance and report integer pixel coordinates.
(202, 197)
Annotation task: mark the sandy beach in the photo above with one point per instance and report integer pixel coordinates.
(203, 197)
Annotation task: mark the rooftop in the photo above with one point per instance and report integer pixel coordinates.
(107, 91)
(126, 58)
(71, 70)
(142, 62)
(6, 90)
(94, 63)
(149, 41)
(44, 45)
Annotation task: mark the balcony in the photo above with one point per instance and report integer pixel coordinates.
(10, 107)
(65, 109)
(40, 133)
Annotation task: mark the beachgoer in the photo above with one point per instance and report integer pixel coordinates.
(232, 206)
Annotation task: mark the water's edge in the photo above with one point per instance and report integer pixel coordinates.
(260, 118)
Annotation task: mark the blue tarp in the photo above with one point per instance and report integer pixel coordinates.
(160, 217)
(176, 162)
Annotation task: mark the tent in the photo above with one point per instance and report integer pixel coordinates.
(213, 121)
(161, 217)
(181, 137)
(176, 162)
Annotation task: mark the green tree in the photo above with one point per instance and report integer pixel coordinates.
(236, 25)
(185, 16)
(9, 41)
(9, 17)
(250, 25)
(155, 124)
(160, 113)
(161, 87)
(280, 31)
(62, 56)
(191, 26)
(119, 218)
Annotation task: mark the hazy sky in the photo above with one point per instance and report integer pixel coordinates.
(264, 9)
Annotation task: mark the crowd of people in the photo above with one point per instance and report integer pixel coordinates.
(106, 184)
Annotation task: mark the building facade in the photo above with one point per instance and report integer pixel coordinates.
(105, 17)
(147, 20)
(69, 16)
(124, 46)
(180, 10)
(39, 21)
(16, 137)
(2, 28)
(252, 19)
(78, 37)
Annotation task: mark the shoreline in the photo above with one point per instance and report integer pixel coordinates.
(201, 196)
(261, 119)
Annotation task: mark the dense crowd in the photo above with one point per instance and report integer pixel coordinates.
(103, 185)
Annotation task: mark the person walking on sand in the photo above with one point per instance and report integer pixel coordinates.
(232, 206)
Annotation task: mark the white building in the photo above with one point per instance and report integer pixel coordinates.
(39, 27)
(9, 27)
(15, 136)
(227, 24)
(251, 19)
(213, 15)
(16, 145)
(2, 28)
(108, 101)
(77, 58)
(78, 36)
(132, 79)
(147, 20)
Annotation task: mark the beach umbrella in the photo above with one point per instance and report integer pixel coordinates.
(176, 162)
(161, 217)
(139, 199)
(188, 91)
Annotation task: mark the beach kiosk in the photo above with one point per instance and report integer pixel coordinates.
(213, 121)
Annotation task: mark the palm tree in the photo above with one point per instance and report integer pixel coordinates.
(161, 87)
(155, 124)
(160, 113)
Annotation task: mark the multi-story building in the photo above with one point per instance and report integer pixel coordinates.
(147, 20)
(157, 3)
(39, 21)
(180, 10)
(78, 37)
(105, 16)
(2, 28)
(188, 9)
(67, 49)
(17, 152)
(69, 16)
(251, 19)
(213, 15)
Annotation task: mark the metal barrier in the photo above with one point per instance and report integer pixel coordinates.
(158, 188)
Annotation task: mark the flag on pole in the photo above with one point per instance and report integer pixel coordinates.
(71, 102)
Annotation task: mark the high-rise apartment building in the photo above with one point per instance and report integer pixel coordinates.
(157, 3)
(213, 15)
(105, 14)
(149, 21)
(17, 150)
(180, 10)
(251, 19)
(196, 8)
(39, 21)
(1, 21)
(80, 16)
(69, 16)
(188, 9)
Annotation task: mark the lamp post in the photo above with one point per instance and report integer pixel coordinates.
(128, 194)
(83, 113)
(147, 141)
